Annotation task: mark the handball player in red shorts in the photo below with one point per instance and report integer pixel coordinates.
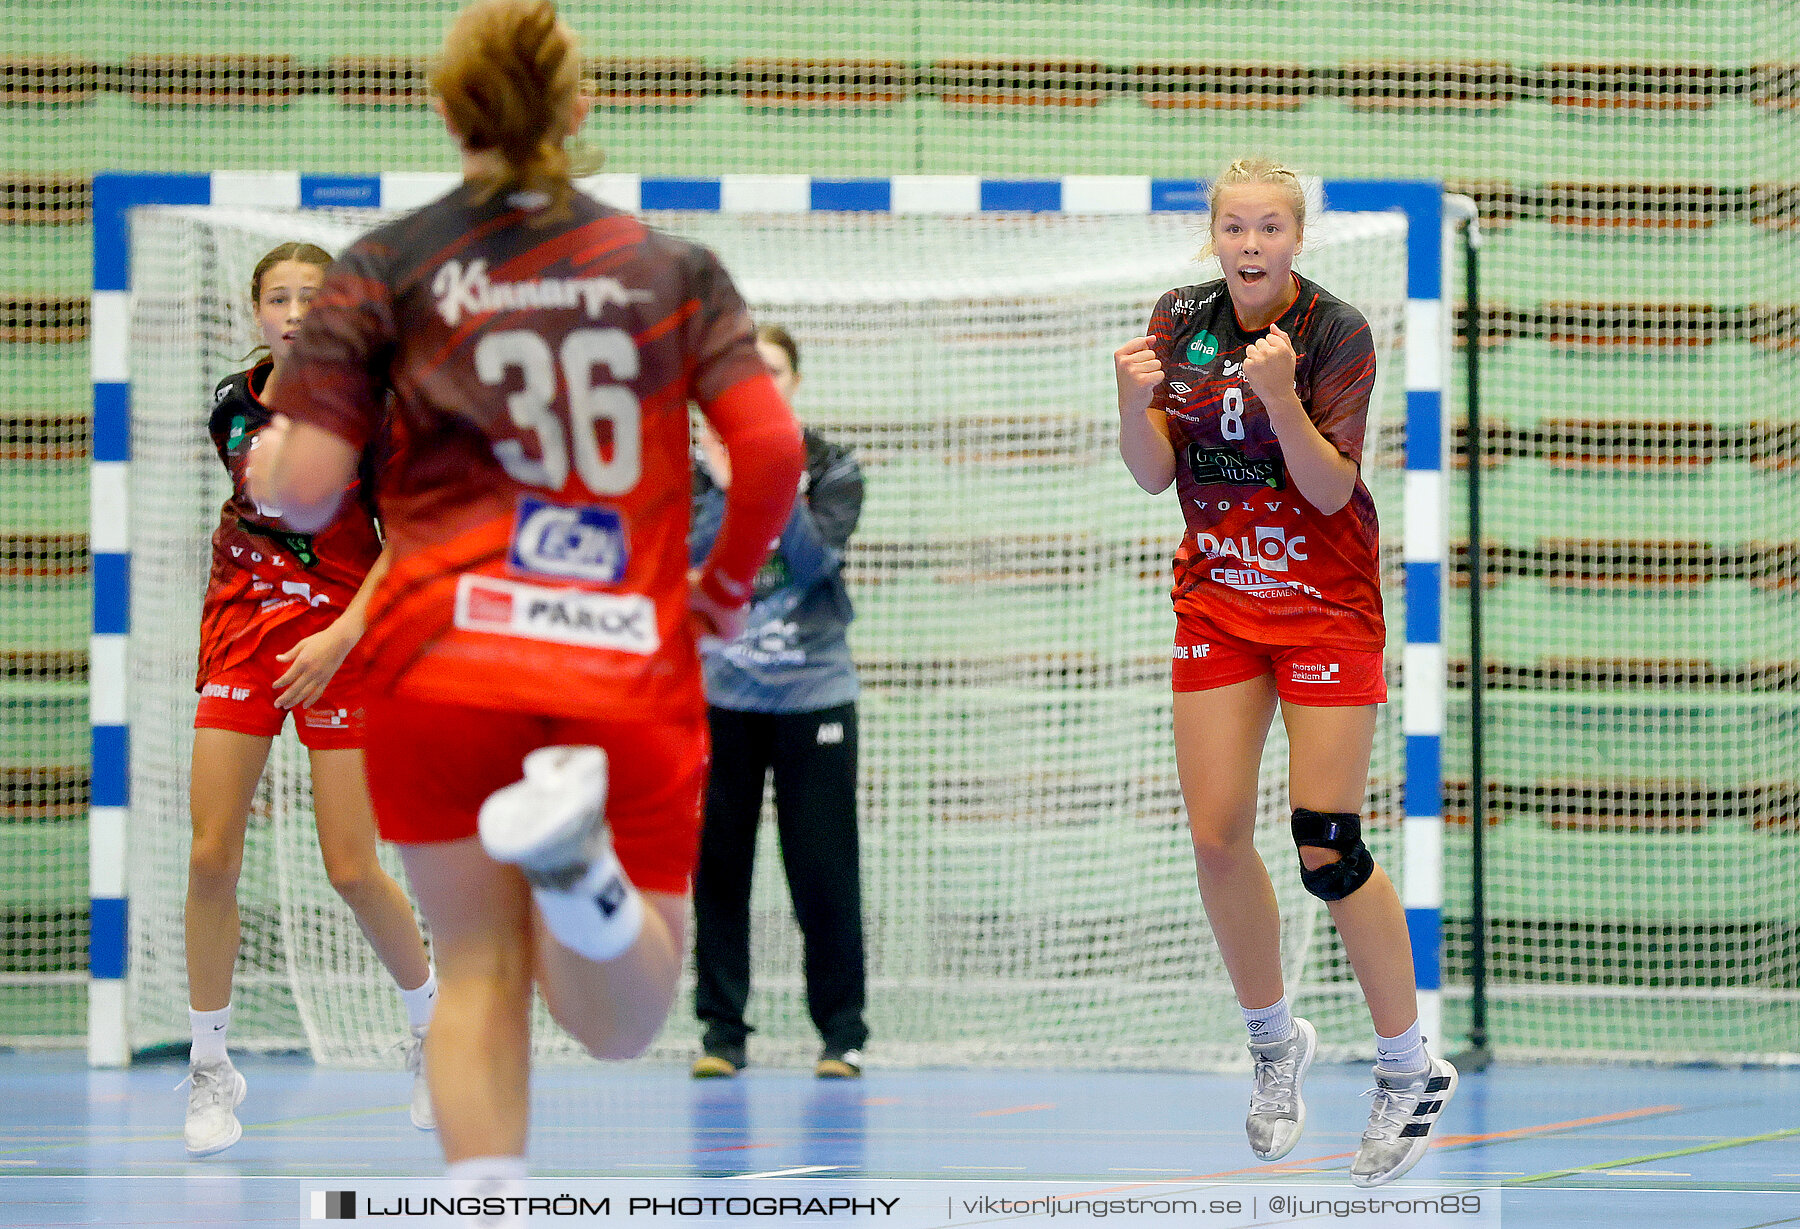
(278, 635)
(1250, 394)
(537, 723)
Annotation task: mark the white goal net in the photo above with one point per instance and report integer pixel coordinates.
(1028, 885)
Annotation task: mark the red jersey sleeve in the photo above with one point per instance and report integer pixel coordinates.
(332, 380)
(763, 441)
(1342, 380)
(719, 337)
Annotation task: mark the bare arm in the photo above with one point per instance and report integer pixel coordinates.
(1319, 471)
(301, 469)
(1143, 431)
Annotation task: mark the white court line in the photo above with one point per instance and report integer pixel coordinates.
(788, 1173)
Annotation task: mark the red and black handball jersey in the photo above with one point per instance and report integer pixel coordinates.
(1258, 558)
(264, 574)
(537, 503)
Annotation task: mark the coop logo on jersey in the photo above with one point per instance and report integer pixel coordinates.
(1201, 350)
(1269, 549)
(585, 543)
(1227, 465)
(626, 622)
(468, 290)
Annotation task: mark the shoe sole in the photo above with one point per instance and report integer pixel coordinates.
(834, 1069)
(519, 843)
(237, 1128)
(710, 1068)
(1421, 1145)
(1306, 1062)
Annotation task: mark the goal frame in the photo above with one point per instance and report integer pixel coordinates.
(1425, 542)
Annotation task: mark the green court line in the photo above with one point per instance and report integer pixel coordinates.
(1658, 1156)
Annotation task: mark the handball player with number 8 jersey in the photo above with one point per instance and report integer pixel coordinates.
(1250, 394)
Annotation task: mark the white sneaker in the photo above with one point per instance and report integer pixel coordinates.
(550, 824)
(1407, 1106)
(423, 1116)
(1277, 1112)
(218, 1089)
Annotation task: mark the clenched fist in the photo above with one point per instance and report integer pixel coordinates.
(1139, 371)
(1269, 365)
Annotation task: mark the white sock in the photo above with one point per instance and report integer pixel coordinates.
(209, 1034)
(419, 1002)
(478, 1176)
(1269, 1024)
(600, 917)
(1405, 1053)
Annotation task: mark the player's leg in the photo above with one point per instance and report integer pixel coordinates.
(346, 824)
(616, 1007)
(227, 764)
(479, 1049)
(226, 768)
(1329, 771)
(1219, 737)
(610, 946)
(1329, 775)
(742, 745)
(815, 801)
(346, 828)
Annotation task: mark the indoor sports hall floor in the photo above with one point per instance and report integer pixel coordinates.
(1691, 1148)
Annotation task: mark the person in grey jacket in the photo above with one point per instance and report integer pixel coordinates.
(781, 698)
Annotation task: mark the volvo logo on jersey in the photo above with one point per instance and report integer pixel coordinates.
(586, 543)
(1228, 465)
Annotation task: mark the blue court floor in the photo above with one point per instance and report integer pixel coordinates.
(1555, 1146)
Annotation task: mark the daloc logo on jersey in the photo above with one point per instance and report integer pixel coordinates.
(1228, 465)
(1202, 349)
(586, 543)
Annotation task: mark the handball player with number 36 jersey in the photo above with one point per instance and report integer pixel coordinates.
(541, 351)
(1250, 394)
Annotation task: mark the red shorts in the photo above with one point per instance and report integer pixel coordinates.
(431, 766)
(1206, 657)
(241, 696)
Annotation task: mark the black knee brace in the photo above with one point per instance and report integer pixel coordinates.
(1335, 830)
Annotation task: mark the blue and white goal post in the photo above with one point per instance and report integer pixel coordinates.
(1428, 332)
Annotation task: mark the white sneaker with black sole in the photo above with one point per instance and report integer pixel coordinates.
(1277, 1111)
(550, 824)
(1407, 1107)
(212, 1124)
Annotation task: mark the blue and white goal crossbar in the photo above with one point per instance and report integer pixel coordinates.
(1426, 544)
